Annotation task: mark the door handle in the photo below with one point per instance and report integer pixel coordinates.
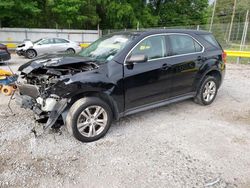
(165, 66)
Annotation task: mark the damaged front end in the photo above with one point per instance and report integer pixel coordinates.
(43, 86)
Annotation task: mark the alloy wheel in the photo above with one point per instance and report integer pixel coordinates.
(31, 54)
(209, 91)
(92, 121)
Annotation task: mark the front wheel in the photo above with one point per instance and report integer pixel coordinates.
(31, 54)
(207, 91)
(89, 119)
(18, 53)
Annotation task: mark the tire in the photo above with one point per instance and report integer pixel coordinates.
(30, 54)
(19, 53)
(70, 51)
(207, 91)
(88, 129)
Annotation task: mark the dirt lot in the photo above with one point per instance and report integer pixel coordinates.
(179, 145)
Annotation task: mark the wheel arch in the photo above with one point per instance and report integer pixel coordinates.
(102, 95)
(215, 73)
(71, 48)
(211, 72)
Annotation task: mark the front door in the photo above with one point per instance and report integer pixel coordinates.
(147, 82)
(45, 46)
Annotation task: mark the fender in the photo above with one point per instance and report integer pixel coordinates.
(88, 84)
(209, 66)
(64, 105)
(104, 96)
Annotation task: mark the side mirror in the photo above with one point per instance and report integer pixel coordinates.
(137, 58)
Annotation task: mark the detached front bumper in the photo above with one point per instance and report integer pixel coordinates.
(49, 108)
(20, 52)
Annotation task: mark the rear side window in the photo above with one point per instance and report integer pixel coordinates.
(47, 41)
(211, 39)
(60, 40)
(154, 47)
(184, 44)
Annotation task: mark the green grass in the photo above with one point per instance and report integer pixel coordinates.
(236, 47)
(234, 60)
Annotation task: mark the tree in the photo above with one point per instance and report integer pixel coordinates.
(143, 14)
(16, 13)
(181, 12)
(74, 13)
(109, 14)
(125, 14)
(68, 14)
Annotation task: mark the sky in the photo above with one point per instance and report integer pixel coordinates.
(211, 1)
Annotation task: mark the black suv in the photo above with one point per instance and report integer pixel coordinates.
(121, 74)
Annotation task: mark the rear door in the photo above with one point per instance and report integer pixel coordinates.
(186, 59)
(149, 81)
(60, 44)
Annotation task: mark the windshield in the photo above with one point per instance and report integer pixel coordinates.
(37, 41)
(105, 48)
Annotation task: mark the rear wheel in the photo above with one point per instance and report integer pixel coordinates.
(207, 91)
(31, 54)
(89, 119)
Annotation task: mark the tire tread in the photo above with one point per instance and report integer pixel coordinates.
(198, 98)
(74, 110)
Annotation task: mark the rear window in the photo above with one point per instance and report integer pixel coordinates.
(211, 39)
(183, 44)
(60, 40)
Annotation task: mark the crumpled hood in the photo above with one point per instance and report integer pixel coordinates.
(52, 60)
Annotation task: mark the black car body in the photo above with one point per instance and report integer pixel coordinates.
(4, 53)
(151, 69)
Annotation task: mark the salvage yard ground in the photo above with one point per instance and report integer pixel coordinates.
(179, 145)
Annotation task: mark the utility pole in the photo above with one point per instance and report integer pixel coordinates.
(98, 29)
(232, 20)
(247, 22)
(244, 34)
(212, 19)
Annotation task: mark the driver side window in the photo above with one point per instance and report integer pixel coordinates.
(46, 41)
(153, 47)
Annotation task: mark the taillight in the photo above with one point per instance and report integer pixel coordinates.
(224, 57)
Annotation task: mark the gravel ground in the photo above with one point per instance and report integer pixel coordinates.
(179, 145)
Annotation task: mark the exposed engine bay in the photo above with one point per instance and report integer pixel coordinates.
(47, 77)
(38, 80)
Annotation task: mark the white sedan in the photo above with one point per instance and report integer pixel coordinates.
(47, 45)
